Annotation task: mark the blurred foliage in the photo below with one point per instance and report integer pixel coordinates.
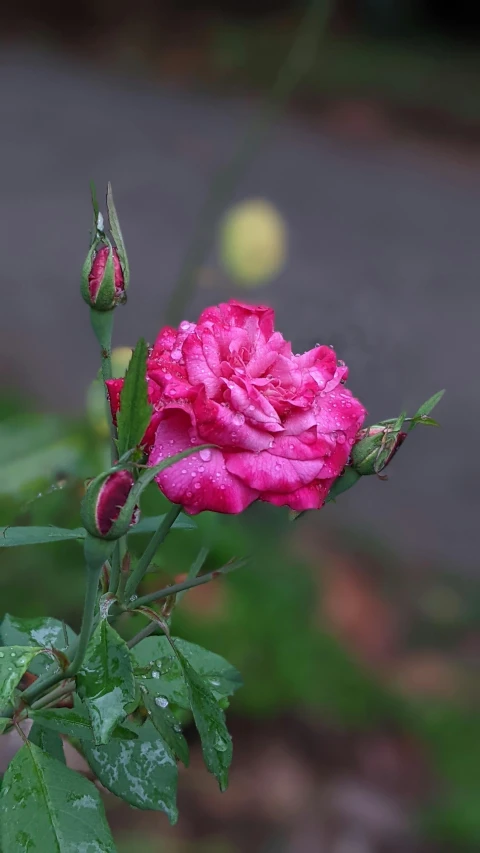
(265, 618)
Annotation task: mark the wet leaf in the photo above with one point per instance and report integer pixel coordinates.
(426, 408)
(73, 722)
(166, 725)
(47, 740)
(44, 632)
(210, 722)
(135, 410)
(14, 661)
(47, 808)
(106, 681)
(163, 673)
(11, 537)
(142, 772)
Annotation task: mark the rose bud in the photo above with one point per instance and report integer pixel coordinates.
(375, 448)
(103, 280)
(106, 510)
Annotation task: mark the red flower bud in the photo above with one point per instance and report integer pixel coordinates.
(105, 498)
(103, 280)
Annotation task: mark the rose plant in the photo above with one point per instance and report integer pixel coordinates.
(220, 413)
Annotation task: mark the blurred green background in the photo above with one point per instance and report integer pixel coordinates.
(357, 729)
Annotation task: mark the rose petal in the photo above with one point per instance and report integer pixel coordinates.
(202, 361)
(219, 424)
(198, 482)
(308, 497)
(268, 473)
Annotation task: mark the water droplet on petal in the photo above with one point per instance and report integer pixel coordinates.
(176, 355)
(206, 455)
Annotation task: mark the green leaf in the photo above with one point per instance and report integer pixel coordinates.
(165, 677)
(141, 772)
(344, 482)
(426, 408)
(14, 661)
(48, 808)
(117, 233)
(166, 725)
(44, 632)
(150, 524)
(13, 536)
(47, 740)
(210, 722)
(4, 722)
(106, 681)
(135, 410)
(73, 722)
(425, 421)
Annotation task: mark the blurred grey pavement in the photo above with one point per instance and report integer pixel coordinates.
(384, 263)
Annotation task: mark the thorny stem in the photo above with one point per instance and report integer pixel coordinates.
(117, 560)
(149, 553)
(42, 684)
(102, 324)
(143, 634)
(54, 695)
(189, 584)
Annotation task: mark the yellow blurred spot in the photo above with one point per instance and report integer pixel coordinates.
(120, 360)
(252, 242)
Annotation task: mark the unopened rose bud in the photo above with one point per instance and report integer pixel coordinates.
(103, 280)
(105, 508)
(375, 448)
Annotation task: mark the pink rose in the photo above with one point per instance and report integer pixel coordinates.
(284, 423)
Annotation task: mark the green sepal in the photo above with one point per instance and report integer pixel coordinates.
(117, 236)
(135, 410)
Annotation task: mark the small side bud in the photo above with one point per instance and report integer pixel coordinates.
(105, 508)
(375, 448)
(103, 281)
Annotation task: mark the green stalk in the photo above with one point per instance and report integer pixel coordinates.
(54, 695)
(160, 534)
(102, 325)
(42, 684)
(117, 560)
(189, 583)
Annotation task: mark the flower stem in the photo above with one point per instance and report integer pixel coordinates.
(143, 634)
(149, 553)
(190, 583)
(54, 695)
(102, 324)
(117, 560)
(42, 684)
